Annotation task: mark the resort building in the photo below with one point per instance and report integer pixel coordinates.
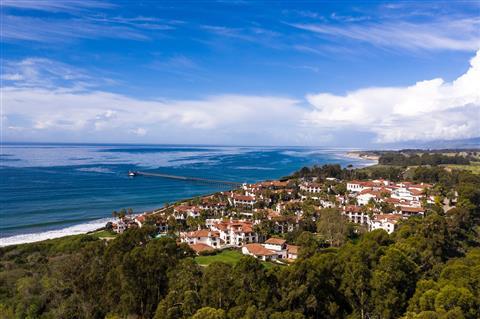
(277, 245)
(259, 251)
(357, 186)
(311, 187)
(185, 211)
(356, 215)
(202, 236)
(242, 200)
(386, 222)
(292, 252)
(273, 249)
(235, 233)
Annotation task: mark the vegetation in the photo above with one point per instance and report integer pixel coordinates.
(226, 256)
(428, 268)
(402, 159)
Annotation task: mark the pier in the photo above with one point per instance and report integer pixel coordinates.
(187, 178)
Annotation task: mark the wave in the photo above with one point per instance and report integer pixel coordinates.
(51, 234)
(67, 155)
(95, 170)
(259, 168)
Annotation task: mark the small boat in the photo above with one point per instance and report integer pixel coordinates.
(130, 173)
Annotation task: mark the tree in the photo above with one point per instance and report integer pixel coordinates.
(209, 313)
(393, 283)
(451, 298)
(217, 282)
(310, 245)
(356, 263)
(332, 226)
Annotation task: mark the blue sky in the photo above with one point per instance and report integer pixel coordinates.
(339, 73)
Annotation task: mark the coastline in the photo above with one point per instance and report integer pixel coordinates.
(97, 224)
(362, 155)
(52, 234)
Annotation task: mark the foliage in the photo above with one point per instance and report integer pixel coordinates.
(428, 268)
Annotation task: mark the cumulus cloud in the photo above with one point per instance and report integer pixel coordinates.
(427, 110)
(139, 131)
(216, 119)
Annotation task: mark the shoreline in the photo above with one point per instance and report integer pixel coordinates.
(98, 224)
(363, 156)
(78, 229)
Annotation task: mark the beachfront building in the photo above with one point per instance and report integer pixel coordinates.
(292, 252)
(242, 200)
(235, 233)
(357, 186)
(182, 212)
(408, 211)
(311, 187)
(202, 236)
(277, 245)
(387, 222)
(273, 249)
(356, 215)
(364, 197)
(259, 251)
(140, 220)
(210, 203)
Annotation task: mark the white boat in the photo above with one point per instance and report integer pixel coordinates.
(132, 173)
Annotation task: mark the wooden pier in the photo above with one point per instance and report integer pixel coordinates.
(188, 178)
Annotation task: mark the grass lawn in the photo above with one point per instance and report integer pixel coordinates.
(227, 256)
(474, 167)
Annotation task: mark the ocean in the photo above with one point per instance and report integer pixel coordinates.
(53, 190)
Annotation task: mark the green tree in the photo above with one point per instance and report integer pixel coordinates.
(209, 313)
(333, 227)
(393, 283)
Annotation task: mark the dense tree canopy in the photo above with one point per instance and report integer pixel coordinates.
(428, 268)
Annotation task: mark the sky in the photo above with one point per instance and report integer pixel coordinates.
(314, 73)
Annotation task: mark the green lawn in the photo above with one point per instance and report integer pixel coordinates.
(227, 256)
(474, 167)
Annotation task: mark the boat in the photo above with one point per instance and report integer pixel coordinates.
(131, 173)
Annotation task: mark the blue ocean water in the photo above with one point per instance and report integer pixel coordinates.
(48, 190)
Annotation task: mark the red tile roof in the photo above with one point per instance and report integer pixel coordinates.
(275, 241)
(243, 197)
(393, 218)
(140, 218)
(259, 250)
(412, 209)
(200, 247)
(185, 208)
(353, 208)
(202, 233)
(292, 249)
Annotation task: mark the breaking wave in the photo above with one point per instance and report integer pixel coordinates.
(51, 234)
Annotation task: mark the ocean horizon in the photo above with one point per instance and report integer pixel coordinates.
(51, 190)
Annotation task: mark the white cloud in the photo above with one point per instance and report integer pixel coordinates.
(427, 110)
(42, 72)
(459, 35)
(56, 5)
(216, 119)
(139, 131)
